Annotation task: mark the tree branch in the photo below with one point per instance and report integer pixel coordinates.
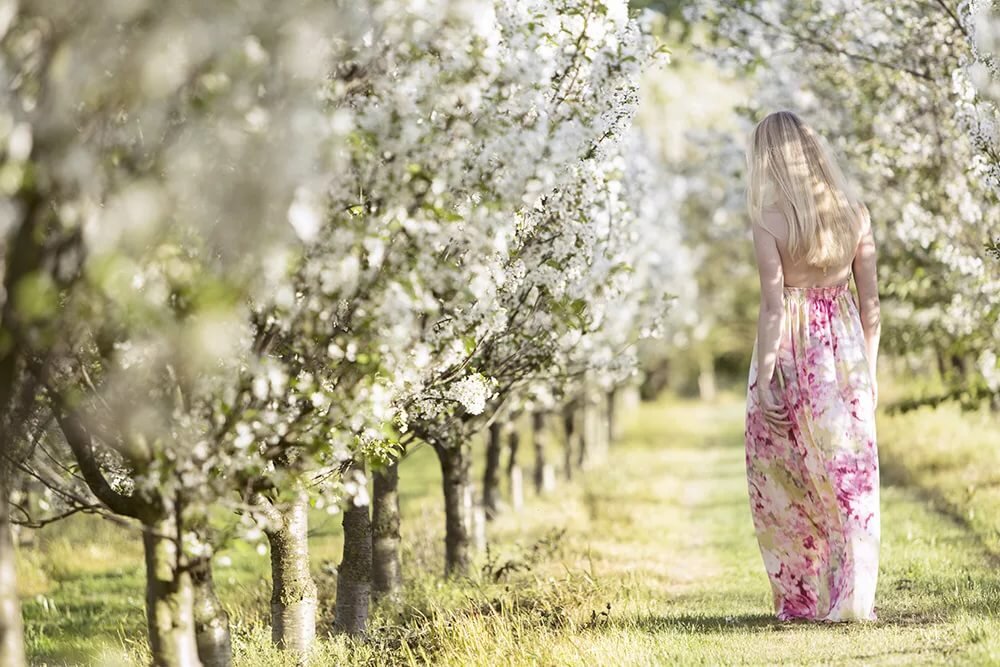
(954, 17)
(263, 505)
(28, 522)
(80, 443)
(834, 50)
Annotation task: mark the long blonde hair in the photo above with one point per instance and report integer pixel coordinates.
(791, 167)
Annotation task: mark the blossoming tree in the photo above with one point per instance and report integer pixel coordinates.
(134, 126)
(280, 242)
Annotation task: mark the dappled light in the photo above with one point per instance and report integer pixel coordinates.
(499, 332)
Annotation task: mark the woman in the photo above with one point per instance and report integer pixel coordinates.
(812, 464)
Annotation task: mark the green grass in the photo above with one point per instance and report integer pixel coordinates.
(649, 560)
(953, 459)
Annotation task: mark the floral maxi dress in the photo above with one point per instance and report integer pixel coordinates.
(814, 486)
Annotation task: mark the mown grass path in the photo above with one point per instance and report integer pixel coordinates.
(669, 538)
(648, 558)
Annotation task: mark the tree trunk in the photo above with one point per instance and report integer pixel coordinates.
(478, 527)
(706, 377)
(516, 488)
(629, 399)
(491, 476)
(585, 425)
(958, 362)
(354, 575)
(169, 598)
(211, 622)
(386, 571)
(611, 403)
(569, 428)
(293, 592)
(513, 446)
(657, 379)
(548, 478)
(537, 427)
(455, 480)
(515, 481)
(11, 627)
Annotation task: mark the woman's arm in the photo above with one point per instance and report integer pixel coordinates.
(772, 311)
(866, 280)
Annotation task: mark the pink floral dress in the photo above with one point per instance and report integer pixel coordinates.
(814, 486)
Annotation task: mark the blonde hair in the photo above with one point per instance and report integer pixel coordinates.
(790, 166)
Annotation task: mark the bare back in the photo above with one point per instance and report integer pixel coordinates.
(796, 272)
(778, 271)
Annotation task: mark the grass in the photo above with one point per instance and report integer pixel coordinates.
(649, 560)
(953, 459)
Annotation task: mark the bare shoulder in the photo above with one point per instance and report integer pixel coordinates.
(865, 218)
(773, 221)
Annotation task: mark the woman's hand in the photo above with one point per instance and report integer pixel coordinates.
(775, 413)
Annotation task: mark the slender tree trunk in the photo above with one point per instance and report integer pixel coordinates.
(548, 478)
(169, 597)
(478, 528)
(294, 599)
(585, 424)
(515, 479)
(656, 381)
(491, 476)
(387, 575)
(961, 365)
(706, 377)
(11, 627)
(455, 479)
(611, 405)
(602, 425)
(513, 446)
(569, 427)
(211, 622)
(354, 575)
(956, 371)
(629, 398)
(537, 428)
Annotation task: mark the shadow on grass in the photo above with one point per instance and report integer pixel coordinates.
(688, 623)
(766, 626)
(743, 623)
(899, 478)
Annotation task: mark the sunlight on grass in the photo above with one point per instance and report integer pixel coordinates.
(953, 458)
(649, 560)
